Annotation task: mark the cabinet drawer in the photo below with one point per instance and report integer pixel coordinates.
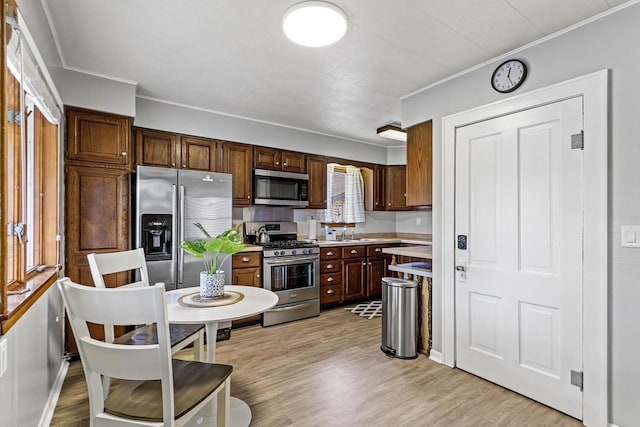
(376, 250)
(354, 252)
(246, 259)
(331, 266)
(330, 253)
(331, 278)
(330, 294)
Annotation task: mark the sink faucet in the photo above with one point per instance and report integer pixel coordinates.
(343, 236)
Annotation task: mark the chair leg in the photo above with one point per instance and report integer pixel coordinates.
(198, 347)
(223, 401)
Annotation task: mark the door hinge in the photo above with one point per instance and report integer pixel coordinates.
(13, 116)
(576, 379)
(577, 141)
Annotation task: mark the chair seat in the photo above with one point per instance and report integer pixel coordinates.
(148, 334)
(142, 400)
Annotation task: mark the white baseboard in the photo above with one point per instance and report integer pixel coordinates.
(436, 356)
(54, 394)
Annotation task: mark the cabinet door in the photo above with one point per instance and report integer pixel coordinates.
(419, 165)
(237, 160)
(317, 170)
(267, 158)
(96, 220)
(246, 277)
(293, 162)
(156, 148)
(354, 279)
(98, 137)
(377, 268)
(396, 188)
(198, 153)
(379, 188)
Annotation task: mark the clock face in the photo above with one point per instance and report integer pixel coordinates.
(509, 76)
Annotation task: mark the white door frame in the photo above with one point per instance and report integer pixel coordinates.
(594, 90)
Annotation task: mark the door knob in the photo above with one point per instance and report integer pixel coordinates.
(460, 268)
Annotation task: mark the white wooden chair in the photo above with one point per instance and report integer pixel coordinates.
(153, 389)
(180, 335)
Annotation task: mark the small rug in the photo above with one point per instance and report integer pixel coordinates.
(195, 300)
(369, 310)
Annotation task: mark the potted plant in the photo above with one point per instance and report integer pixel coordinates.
(213, 251)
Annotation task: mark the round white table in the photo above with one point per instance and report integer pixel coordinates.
(255, 301)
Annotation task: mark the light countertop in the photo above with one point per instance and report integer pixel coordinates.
(423, 251)
(373, 241)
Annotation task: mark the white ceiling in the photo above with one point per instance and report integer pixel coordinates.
(231, 56)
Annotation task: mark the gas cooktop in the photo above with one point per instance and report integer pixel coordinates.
(288, 244)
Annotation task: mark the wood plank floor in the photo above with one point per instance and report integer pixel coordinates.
(329, 371)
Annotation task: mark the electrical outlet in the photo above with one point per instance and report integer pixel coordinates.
(630, 236)
(418, 221)
(3, 357)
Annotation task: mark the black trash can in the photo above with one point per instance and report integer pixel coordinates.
(399, 318)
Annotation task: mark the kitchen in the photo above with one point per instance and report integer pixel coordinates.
(463, 92)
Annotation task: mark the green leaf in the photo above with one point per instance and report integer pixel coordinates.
(228, 242)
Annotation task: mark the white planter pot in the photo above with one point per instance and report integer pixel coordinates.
(212, 284)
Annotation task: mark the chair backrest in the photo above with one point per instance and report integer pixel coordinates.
(115, 262)
(120, 306)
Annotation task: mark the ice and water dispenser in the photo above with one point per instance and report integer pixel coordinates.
(156, 236)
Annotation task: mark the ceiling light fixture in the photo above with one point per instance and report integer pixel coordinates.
(393, 131)
(314, 23)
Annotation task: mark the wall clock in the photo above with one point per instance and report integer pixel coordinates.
(509, 76)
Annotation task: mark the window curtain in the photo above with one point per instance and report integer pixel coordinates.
(345, 194)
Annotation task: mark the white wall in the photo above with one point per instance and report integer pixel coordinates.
(159, 115)
(608, 43)
(34, 358)
(95, 93)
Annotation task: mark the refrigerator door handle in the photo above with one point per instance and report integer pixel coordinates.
(181, 266)
(174, 227)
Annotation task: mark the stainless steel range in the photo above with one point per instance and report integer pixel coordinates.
(291, 269)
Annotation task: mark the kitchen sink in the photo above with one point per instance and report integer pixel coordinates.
(364, 239)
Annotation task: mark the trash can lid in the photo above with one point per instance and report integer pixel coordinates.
(399, 283)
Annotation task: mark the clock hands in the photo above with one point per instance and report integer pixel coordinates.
(509, 76)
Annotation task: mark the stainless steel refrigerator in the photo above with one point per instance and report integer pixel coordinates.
(168, 203)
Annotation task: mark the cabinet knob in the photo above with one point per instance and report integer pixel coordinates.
(389, 203)
(277, 163)
(248, 197)
(376, 203)
(285, 164)
(123, 154)
(245, 259)
(330, 266)
(330, 279)
(378, 250)
(353, 251)
(184, 166)
(173, 163)
(331, 291)
(258, 276)
(329, 253)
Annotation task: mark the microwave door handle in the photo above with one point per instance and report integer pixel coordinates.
(290, 261)
(182, 237)
(174, 228)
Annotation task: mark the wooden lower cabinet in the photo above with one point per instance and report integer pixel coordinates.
(247, 271)
(96, 220)
(377, 268)
(355, 286)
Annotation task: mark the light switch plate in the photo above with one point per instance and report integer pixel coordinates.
(630, 236)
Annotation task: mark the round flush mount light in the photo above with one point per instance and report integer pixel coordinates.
(314, 23)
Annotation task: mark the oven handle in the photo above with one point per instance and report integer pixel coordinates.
(290, 261)
(293, 307)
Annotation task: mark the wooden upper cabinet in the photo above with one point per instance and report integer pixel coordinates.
(198, 153)
(267, 158)
(379, 188)
(156, 148)
(237, 160)
(317, 170)
(396, 188)
(419, 165)
(278, 160)
(293, 162)
(98, 137)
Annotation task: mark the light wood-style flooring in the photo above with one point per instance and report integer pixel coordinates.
(329, 371)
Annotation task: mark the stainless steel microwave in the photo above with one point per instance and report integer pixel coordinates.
(275, 188)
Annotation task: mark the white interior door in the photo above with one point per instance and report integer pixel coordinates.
(519, 201)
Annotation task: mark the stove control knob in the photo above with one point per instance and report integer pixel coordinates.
(293, 252)
(305, 251)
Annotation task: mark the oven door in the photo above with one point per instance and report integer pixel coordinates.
(292, 278)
